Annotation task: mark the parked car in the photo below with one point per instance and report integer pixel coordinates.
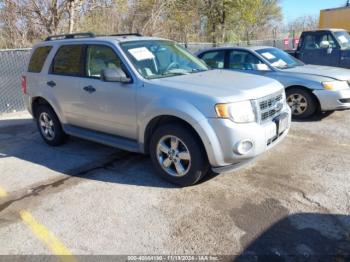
(329, 47)
(309, 88)
(150, 95)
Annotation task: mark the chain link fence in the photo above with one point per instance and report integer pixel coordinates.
(12, 64)
(283, 44)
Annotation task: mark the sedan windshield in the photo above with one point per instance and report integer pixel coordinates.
(160, 58)
(343, 39)
(279, 58)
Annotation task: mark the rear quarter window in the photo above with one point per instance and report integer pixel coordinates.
(38, 58)
(68, 61)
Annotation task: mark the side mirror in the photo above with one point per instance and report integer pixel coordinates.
(114, 75)
(324, 44)
(329, 50)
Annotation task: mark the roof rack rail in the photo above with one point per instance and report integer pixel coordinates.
(70, 36)
(127, 34)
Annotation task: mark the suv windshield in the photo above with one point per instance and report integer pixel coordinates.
(159, 58)
(279, 58)
(343, 38)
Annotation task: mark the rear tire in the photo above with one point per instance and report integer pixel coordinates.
(178, 155)
(49, 126)
(302, 103)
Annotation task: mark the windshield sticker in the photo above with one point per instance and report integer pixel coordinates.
(268, 55)
(262, 67)
(280, 63)
(343, 39)
(141, 53)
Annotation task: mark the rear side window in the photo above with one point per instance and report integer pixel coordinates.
(68, 61)
(38, 58)
(214, 59)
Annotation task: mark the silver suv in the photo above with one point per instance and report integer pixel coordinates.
(150, 95)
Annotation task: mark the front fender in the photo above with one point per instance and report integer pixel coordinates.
(188, 113)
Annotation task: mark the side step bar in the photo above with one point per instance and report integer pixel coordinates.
(103, 138)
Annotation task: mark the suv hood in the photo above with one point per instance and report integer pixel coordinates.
(224, 85)
(324, 71)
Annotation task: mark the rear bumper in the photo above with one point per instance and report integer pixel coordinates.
(27, 103)
(333, 100)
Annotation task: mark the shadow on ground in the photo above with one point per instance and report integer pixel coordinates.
(19, 138)
(302, 237)
(319, 116)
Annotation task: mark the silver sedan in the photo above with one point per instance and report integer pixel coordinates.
(309, 88)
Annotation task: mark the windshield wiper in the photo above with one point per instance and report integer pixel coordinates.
(197, 70)
(174, 73)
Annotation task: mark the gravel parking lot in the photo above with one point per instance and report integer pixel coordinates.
(92, 199)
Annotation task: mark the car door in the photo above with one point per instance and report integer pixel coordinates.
(64, 78)
(313, 51)
(247, 62)
(214, 59)
(110, 106)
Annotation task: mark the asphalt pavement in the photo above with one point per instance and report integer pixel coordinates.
(87, 199)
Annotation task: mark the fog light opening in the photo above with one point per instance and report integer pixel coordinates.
(244, 147)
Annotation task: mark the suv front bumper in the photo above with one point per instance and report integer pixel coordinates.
(333, 100)
(229, 135)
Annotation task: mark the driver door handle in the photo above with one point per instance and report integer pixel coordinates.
(89, 89)
(51, 83)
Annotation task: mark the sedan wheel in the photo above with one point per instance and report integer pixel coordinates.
(302, 102)
(297, 103)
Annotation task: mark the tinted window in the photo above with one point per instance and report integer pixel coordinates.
(215, 59)
(244, 61)
(314, 41)
(101, 57)
(68, 61)
(38, 59)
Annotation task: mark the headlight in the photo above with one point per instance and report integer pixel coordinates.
(335, 85)
(239, 112)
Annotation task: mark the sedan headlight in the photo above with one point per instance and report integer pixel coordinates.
(239, 112)
(335, 85)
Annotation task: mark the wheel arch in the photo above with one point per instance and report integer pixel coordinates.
(39, 100)
(163, 120)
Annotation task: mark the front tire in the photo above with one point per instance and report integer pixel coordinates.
(302, 103)
(178, 155)
(49, 126)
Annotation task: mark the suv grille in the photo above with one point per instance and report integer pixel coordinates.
(270, 106)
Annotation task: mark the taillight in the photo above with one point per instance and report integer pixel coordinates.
(24, 84)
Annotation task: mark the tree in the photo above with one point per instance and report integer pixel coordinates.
(253, 16)
(303, 23)
(24, 21)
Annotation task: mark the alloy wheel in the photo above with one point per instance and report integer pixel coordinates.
(173, 156)
(47, 126)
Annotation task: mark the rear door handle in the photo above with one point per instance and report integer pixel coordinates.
(51, 83)
(89, 89)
